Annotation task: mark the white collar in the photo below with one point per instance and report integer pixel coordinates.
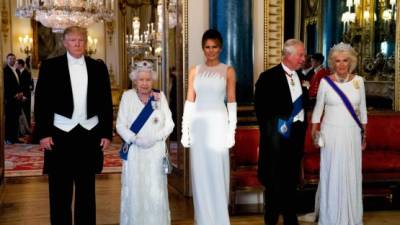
(305, 71)
(318, 68)
(287, 70)
(75, 61)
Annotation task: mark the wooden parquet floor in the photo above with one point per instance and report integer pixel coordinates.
(25, 202)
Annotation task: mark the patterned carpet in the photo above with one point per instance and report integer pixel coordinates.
(27, 160)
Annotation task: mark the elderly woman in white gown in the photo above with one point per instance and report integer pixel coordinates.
(144, 194)
(341, 140)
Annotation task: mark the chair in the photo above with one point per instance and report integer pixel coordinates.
(244, 162)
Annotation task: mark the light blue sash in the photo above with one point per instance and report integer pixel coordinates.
(284, 126)
(143, 116)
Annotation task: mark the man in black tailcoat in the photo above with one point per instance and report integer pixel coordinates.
(13, 97)
(26, 82)
(279, 159)
(73, 114)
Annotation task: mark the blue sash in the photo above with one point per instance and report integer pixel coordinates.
(143, 116)
(284, 126)
(346, 102)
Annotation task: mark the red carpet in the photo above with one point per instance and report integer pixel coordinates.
(27, 160)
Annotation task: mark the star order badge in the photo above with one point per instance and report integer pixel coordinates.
(356, 84)
(283, 128)
(154, 105)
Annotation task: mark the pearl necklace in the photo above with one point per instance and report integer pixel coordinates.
(341, 80)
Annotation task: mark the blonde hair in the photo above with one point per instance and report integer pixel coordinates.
(75, 29)
(346, 49)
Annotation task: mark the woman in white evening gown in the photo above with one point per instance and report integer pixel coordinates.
(340, 173)
(144, 193)
(208, 128)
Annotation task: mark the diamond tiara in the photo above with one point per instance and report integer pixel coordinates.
(342, 47)
(143, 66)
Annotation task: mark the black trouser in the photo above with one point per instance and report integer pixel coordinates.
(26, 106)
(12, 112)
(71, 164)
(280, 193)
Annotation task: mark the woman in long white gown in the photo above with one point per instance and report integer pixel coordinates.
(208, 128)
(340, 168)
(144, 193)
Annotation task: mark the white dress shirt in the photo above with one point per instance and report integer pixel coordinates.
(318, 68)
(295, 90)
(79, 82)
(15, 72)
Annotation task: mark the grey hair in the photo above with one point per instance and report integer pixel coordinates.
(134, 74)
(289, 46)
(345, 49)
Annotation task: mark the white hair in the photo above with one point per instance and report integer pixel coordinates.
(142, 66)
(289, 46)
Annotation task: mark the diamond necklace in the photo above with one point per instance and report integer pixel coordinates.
(341, 80)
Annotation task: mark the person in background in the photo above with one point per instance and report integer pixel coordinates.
(306, 71)
(208, 128)
(74, 123)
(280, 109)
(144, 192)
(319, 72)
(341, 139)
(13, 97)
(26, 82)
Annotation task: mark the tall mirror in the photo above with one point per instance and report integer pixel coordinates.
(143, 24)
(370, 26)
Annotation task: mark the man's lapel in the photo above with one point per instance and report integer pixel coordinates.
(65, 79)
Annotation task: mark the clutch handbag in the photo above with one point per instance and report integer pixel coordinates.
(123, 152)
(166, 163)
(319, 140)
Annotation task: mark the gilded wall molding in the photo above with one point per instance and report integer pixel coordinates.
(185, 27)
(273, 32)
(5, 21)
(2, 164)
(397, 64)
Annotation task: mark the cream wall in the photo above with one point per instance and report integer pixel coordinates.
(198, 22)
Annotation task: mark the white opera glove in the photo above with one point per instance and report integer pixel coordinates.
(186, 121)
(232, 120)
(143, 142)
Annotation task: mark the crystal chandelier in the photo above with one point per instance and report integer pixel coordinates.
(60, 14)
(139, 44)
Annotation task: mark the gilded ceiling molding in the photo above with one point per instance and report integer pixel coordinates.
(5, 21)
(273, 32)
(397, 65)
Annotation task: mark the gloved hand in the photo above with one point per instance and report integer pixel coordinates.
(232, 120)
(132, 139)
(186, 121)
(143, 142)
